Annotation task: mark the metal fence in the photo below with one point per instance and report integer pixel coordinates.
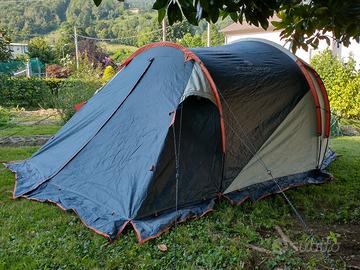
(33, 68)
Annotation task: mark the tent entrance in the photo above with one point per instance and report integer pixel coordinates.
(200, 157)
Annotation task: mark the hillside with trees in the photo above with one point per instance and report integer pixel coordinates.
(118, 28)
(128, 24)
(112, 19)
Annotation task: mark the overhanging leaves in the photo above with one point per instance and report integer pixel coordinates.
(302, 22)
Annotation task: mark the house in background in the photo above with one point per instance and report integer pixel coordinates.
(18, 49)
(238, 31)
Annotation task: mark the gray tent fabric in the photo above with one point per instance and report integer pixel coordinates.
(114, 162)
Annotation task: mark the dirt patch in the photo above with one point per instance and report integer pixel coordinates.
(344, 253)
(347, 249)
(348, 130)
(17, 141)
(38, 117)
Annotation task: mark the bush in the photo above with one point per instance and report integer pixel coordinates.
(29, 93)
(71, 92)
(109, 72)
(122, 54)
(79, 87)
(191, 41)
(342, 82)
(35, 93)
(335, 126)
(57, 71)
(4, 117)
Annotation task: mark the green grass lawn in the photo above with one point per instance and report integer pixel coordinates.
(41, 236)
(29, 130)
(30, 123)
(113, 48)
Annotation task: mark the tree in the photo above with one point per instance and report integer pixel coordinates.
(342, 82)
(217, 38)
(303, 22)
(57, 71)
(39, 48)
(178, 31)
(191, 41)
(93, 52)
(5, 52)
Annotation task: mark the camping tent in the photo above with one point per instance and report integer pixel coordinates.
(177, 128)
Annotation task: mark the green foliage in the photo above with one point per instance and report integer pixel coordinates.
(178, 31)
(217, 37)
(39, 48)
(121, 54)
(71, 92)
(342, 82)
(24, 92)
(33, 93)
(26, 131)
(303, 22)
(64, 44)
(4, 116)
(32, 17)
(307, 22)
(87, 71)
(109, 72)
(5, 53)
(335, 126)
(84, 12)
(351, 122)
(22, 57)
(110, 20)
(191, 41)
(59, 93)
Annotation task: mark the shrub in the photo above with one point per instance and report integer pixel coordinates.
(191, 41)
(335, 125)
(34, 93)
(39, 48)
(54, 85)
(29, 93)
(122, 54)
(71, 92)
(342, 82)
(4, 117)
(109, 72)
(57, 71)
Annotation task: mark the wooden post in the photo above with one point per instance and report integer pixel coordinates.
(209, 35)
(164, 30)
(76, 48)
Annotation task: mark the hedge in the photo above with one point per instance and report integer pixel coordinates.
(72, 92)
(29, 93)
(34, 93)
(4, 117)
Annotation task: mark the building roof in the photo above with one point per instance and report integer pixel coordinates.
(238, 28)
(18, 44)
